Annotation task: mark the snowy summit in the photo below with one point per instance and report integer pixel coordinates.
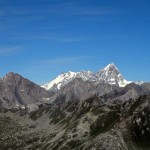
(110, 75)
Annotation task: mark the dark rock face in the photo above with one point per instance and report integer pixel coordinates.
(77, 125)
(79, 89)
(83, 115)
(140, 126)
(16, 90)
(131, 91)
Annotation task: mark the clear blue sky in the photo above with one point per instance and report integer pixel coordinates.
(39, 39)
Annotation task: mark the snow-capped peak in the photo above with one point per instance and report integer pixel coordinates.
(61, 80)
(110, 75)
(108, 67)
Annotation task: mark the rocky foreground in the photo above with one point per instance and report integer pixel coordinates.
(88, 112)
(75, 125)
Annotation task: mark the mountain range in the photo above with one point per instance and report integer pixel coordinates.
(109, 75)
(76, 111)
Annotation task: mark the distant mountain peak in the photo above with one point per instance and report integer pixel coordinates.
(110, 75)
(110, 67)
(111, 64)
(17, 91)
(11, 76)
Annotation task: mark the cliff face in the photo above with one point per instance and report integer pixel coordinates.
(16, 91)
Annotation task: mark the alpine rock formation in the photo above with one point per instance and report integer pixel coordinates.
(16, 91)
(109, 75)
(77, 111)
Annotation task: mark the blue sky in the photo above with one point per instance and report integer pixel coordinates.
(39, 39)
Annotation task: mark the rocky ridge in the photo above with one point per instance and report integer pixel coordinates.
(16, 91)
(108, 75)
(81, 115)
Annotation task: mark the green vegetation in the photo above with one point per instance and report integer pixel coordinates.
(104, 123)
(56, 116)
(72, 107)
(36, 114)
(14, 137)
(139, 128)
(98, 110)
(73, 144)
(9, 131)
(133, 107)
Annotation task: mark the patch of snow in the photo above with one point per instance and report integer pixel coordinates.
(23, 107)
(139, 82)
(62, 79)
(110, 75)
(32, 107)
(21, 90)
(46, 99)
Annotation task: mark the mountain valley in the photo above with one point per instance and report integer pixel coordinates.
(75, 111)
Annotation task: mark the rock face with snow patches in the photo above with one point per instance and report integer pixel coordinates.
(109, 75)
(87, 111)
(16, 91)
(112, 76)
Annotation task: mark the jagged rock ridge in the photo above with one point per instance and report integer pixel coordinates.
(90, 113)
(109, 75)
